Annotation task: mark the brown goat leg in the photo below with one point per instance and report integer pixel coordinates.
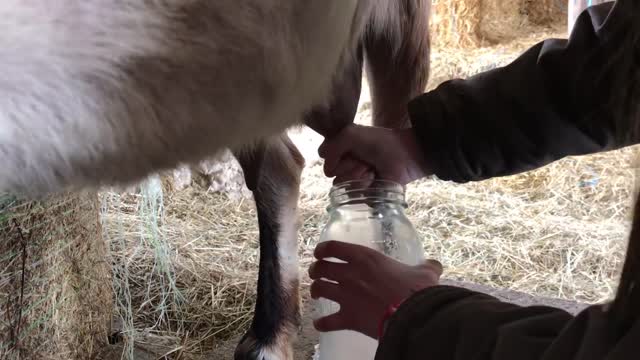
(272, 172)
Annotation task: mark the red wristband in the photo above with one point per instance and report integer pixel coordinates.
(390, 310)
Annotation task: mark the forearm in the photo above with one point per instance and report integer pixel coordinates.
(449, 323)
(553, 101)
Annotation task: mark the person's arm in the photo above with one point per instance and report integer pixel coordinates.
(451, 323)
(560, 98)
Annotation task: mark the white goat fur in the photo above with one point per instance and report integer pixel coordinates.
(100, 92)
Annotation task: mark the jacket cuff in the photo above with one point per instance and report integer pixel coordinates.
(436, 297)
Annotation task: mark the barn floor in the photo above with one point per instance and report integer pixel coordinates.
(308, 338)
(185, 261)
(304, 348)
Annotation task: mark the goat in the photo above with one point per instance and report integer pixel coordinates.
(104, 92)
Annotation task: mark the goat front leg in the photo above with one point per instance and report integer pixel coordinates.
(272, 172)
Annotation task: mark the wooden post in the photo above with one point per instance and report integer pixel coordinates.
(576, 7)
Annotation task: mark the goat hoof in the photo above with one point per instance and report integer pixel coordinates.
(251, 348)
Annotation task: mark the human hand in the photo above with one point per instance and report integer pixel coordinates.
(364, 152)
(368, 283)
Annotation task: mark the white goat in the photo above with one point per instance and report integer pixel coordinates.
(105, 92)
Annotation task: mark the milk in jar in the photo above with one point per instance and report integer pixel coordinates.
(368, 213)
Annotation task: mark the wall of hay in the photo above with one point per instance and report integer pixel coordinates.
(472, 23)
(55, 287)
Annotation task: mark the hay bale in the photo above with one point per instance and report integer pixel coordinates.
(501, 20)
(474, 23)
(543, 12)
(455, 23)
(54, 278)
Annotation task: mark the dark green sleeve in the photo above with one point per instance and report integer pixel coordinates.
(451, 323)
(559, 98)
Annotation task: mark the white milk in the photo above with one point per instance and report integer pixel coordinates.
(388, 232)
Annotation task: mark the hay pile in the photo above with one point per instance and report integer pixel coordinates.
(54, 279)
(559, 231)
(183, 267)
(472, 23)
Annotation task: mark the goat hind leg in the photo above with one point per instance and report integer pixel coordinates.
(272, 172)
(398, 68)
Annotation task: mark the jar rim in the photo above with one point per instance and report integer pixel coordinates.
(370, 191)
(379, 184)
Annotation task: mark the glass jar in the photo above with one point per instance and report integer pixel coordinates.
(368, 213)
